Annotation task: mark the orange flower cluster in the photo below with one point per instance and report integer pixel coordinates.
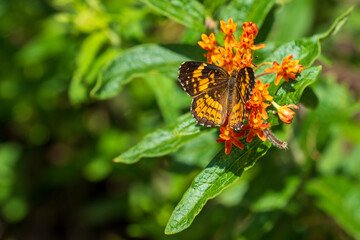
(258, 114)
(234, 54)
(239, 54)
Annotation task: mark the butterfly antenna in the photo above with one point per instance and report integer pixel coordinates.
(254, 63)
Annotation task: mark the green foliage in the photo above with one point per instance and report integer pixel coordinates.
(85, 82)
(277, 200)
(283, 31)
(163, 141)
(339, 198)
(221, 172)
(135, 62)
(89, 49)
(167, 94)
(246, 11)
(187, 12)
(290, 92)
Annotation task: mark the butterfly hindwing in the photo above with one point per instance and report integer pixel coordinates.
(197, 77)
(209, 109)
(245, 83)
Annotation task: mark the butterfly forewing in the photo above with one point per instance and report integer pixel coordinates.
(207, 84)
(245, 83)
(198, 77)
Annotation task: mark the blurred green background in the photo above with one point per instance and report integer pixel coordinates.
(57, 180)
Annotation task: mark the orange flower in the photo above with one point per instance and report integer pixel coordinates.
(256, 102)
(224, 58)
(243, 58)
(230, 137)
(247, 42)
(250, 28)
(245, 48)
(261, 110)
(263, 89)
(209, 43)
(285, 113)
(256, 127)
(287, 69)
(228, 30)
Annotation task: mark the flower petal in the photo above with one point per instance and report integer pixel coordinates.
(237, 143)
(228, 146)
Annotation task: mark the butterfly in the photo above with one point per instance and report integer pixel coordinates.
(216, 93)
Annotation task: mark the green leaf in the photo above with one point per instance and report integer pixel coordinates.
(244, 11)
(291, 92)
(211, 5)
(163, 141)
(199, 151)
(167, 94)
(221, 172)
(99, 63)
(187, 12)
(339, 198)
(192, 51)
(137, 61)
(89, 49)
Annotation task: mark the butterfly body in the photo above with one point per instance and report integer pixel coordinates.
(231, 86)
(216, 93)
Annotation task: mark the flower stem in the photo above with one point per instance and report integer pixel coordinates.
(275, 104)
(262, 64)
(263, 74)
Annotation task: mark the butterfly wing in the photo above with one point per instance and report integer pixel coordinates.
(245, 83)
(209, 109)
(207, 85)
(198, 77)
